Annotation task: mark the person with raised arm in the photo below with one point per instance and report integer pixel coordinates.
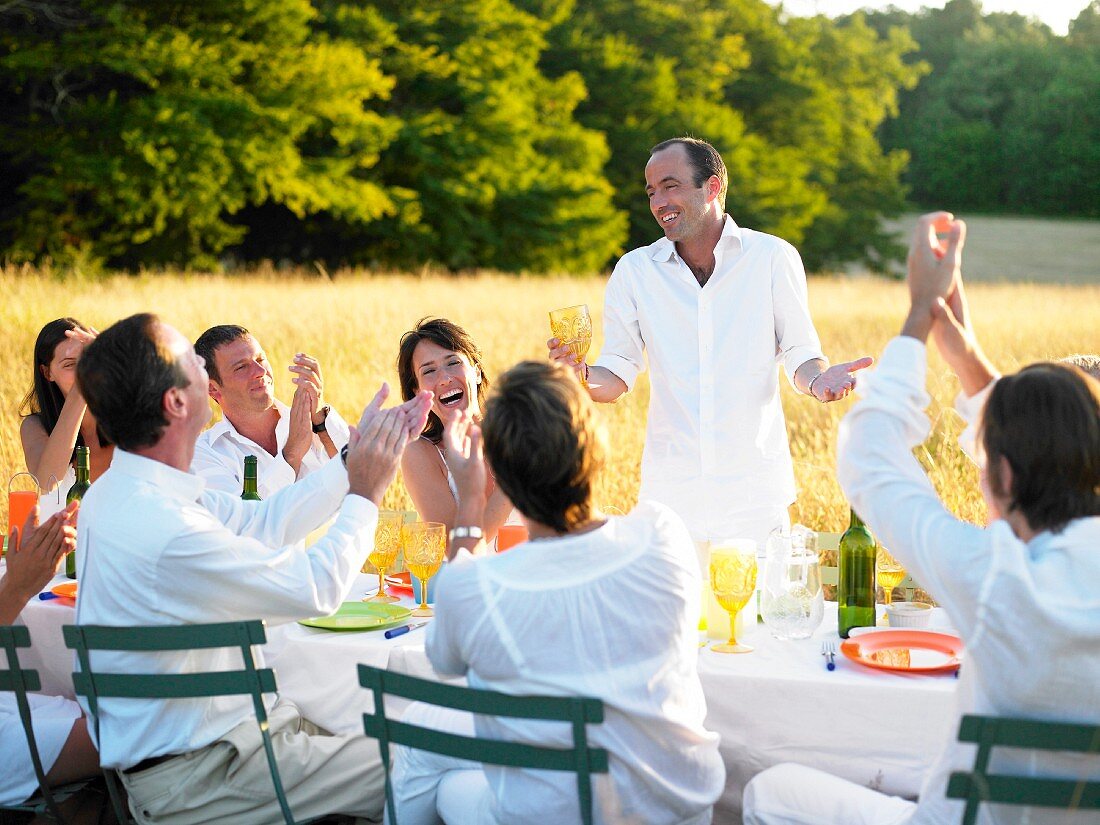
(1021, 592)
(55, 416)
(289, 442)
(157, 547)
(712, 309)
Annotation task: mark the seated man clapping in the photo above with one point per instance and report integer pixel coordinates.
(590, 606)
(289, 442)
(1021, 592)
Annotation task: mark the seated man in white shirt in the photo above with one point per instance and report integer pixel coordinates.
(158, 548)
(1021, 592)
(590, 606)
(289, 442)
(60, 730)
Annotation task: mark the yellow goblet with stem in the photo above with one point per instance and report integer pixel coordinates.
(387, 544)
(425, 543)
(573, 327)
(733, 580)
(890, 573)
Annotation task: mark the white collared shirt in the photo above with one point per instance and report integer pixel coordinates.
(154, 547)
(580, 615)
(716, 447)
(220, 452)
(1029, 612)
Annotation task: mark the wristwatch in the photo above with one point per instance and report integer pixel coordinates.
(324, 411)
(472, 532)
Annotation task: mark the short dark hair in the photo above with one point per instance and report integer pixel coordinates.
(215, 337)
(545, 444)
(1045, 420)
(705, 162)
(124, 374)
(448, 335)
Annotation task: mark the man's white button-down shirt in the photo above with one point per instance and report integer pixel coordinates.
(220, 452)
(155, 547)
(716, 447)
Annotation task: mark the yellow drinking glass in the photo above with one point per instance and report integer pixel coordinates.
(387, 544)
(733, 580)
(890, 573)
(424, 543)
(573, 327)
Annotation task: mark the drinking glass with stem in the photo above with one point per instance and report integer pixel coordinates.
(387, 544)
(890, 573)
(573, 327)
(733, 580)
(425, 544)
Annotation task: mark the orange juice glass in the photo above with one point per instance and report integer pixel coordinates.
(509, 535)
(20, 504)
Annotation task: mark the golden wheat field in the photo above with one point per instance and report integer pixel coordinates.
(352, 323)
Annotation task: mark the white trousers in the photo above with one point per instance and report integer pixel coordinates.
(790, 794)
(430, 789)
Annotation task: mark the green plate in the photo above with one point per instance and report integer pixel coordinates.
(361, 616)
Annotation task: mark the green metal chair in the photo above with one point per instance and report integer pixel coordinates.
(20, 681)
(579, 711)
(978, 785)
(250, 681)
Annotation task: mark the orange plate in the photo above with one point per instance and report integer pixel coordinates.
(66, 590)
(906, 651)
(400, 583)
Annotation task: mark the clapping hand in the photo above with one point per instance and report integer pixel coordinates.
(300, 437)
(308, 376)
(462, 442)
(379, 440)
(34, 554)
(935, 264)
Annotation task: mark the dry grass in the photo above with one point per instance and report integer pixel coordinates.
(352, 324)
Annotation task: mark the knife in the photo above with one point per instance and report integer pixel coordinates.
(401, 631)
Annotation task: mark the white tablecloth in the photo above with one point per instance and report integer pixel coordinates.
(774, 705)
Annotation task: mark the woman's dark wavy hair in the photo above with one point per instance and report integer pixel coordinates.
(450, 336)
(1045, 421)
(45, 398)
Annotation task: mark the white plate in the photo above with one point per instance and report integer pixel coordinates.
(860, 631)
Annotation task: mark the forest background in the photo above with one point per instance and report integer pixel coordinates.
(511, 134)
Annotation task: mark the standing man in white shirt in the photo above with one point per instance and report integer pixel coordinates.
(715, 307)
(289, 442)
(1022, 592)
(158, 548)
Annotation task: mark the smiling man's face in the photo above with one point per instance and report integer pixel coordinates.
(681, 208)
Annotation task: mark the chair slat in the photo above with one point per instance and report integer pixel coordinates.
(173, 685)
(181, 637)
(489, 702)
(495, 752)
(29, 682)
(14, 636)
(1021, 790)
(1030, 733)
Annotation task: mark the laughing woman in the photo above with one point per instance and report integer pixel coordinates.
(441, 357)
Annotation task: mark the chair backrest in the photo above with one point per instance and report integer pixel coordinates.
(19, 681)
(578, 711)
(249, 681)
(978, 785)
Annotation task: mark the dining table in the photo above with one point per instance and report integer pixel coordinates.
(779, 703)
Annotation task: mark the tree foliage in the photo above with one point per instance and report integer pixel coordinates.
(1008, 118)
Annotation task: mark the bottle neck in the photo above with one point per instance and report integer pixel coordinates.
(856, 521)
(249, 477)
(81, 465)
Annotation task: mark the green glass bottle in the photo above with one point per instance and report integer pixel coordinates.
(855, 592)
(76, 493)
(250, 493)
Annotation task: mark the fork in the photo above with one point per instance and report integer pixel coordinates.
(828, 650)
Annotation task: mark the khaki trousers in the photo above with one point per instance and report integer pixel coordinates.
(228, 781)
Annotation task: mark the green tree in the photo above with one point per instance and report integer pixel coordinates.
(498, 171)
(136, 130)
